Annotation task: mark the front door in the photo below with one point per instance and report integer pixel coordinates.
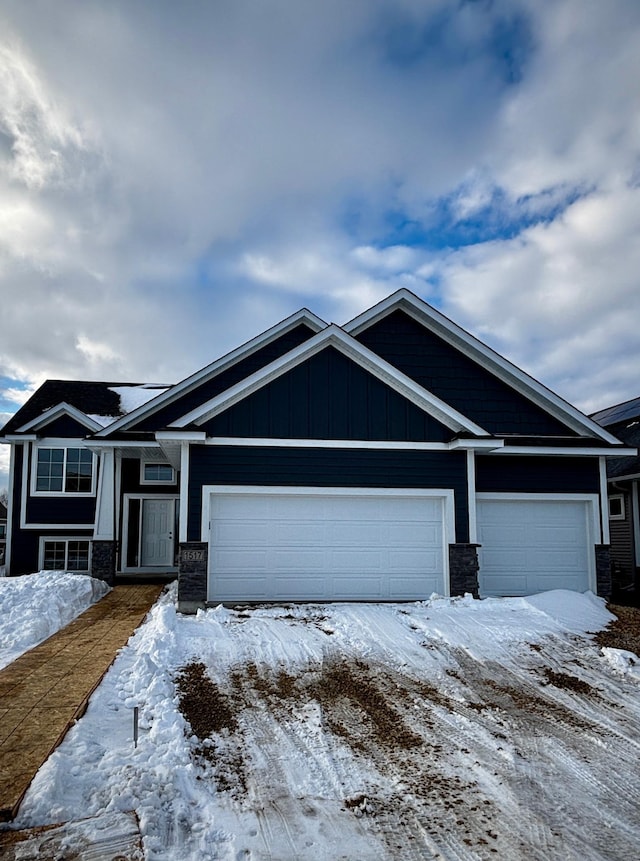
(157, 543)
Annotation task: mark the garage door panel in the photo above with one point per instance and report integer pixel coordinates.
(303, 546)
(530, 546)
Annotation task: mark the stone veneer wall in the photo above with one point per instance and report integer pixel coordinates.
(463, 569)
(603, 570)
(103, 561)
(192, 576)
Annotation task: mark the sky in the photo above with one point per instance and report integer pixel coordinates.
(177, 177)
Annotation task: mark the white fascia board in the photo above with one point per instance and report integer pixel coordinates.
(633, 476)
(569, 452)
(475, 349)
(120, 443)
(18, 437)
(475, 444)
(217, 367)
(180, 436)
(280, 442)
(333, 336)
(61, 409)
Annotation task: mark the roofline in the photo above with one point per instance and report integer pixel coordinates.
(471, 346)
(205, 374)
(62, 408)
(334, 336)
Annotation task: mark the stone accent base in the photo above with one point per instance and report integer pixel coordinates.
(603, 570)
(103, 561)
(192, 576)
(463, 569)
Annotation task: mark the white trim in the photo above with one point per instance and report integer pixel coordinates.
(585, 451)
(26, 455)
(119, 443)
(334, 337)
(446, 494)
(475, 444)
(66, 539)
(184, 493)
(471, 497)
(10, 438)
(623, 507)
(141, 569)
(181, 436)
(65, 444)
(604, 505)
(631, 477)
(217, 367)
(151, 482)
(592, 501)
(474, 349)
(118, 494)
(635, 514)
(7, 548)
(58, 410)
(279, 442)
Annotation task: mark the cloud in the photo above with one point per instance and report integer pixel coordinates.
(174, 178)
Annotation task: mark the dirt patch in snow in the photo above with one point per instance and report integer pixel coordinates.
(623, 632)
(202, 703)
(569, 683)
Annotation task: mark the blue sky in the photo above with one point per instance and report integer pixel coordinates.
(177, 177)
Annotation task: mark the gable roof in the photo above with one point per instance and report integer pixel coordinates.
(304, 316)
(54, 413)
(334, 336)
(476, 350)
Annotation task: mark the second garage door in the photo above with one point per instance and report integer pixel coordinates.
(533, 545)
(330, 545)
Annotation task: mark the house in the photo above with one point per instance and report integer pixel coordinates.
(387, 459)
(623, 479)
(3, 531)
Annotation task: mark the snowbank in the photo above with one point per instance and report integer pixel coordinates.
(35, 606)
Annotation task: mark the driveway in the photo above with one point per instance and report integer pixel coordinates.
(452, 729)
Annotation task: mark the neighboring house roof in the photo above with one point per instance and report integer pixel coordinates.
(622, 420)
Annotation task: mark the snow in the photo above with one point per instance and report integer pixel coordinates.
(35, 606)
(455, 736)
(132, 397)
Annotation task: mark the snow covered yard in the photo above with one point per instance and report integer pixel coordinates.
(35, 606)
(448, 729)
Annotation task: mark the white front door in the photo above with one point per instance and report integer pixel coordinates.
(157, 532)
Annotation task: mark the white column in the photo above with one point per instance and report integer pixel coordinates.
(105, 501)
(184, 491)
(604, 501)
(471, 492)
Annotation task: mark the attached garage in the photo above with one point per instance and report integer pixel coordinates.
(533, 543)
(327, 543)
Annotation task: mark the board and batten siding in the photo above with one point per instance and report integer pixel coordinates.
(622, 550)
(536, 474)
(244, 465)
(328, 396)
(224, 380)
(455, 378)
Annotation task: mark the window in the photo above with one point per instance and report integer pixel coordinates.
(3, 530)
(157, 473)
(64, 470)
(616, 507)
(64, 554)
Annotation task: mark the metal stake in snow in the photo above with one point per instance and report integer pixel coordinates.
(135, 726)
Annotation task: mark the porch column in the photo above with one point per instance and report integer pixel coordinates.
(103, 556)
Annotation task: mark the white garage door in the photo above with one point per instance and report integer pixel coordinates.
(530, 546)
(325, 546)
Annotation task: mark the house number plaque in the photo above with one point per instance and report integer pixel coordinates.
(193, 555)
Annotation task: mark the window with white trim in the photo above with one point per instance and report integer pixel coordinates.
(157, 473)
(65, 554)
(63, 470)
(616, 507)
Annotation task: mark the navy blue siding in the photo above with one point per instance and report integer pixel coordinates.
(456, 379)
(521, 474)
(326, 468)
(25, 543)
(57, 509)
(65, 427)
(328, 397)
(130, 478)
(227, 378)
